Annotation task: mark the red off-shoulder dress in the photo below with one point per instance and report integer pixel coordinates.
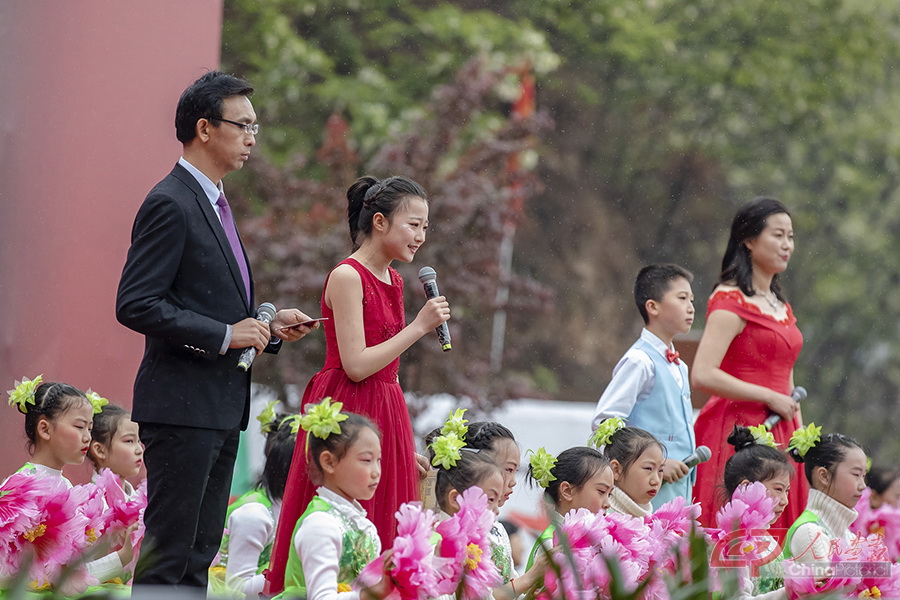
(763, 353)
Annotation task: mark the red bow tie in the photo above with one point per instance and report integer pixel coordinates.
(672, 356)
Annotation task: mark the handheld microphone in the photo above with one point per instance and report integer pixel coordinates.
(798, 394)
(701, 454)
(265, 313)
(429, 280)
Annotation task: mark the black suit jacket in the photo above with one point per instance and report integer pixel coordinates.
(180, 287)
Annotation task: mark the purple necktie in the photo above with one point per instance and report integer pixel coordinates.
(232, 235)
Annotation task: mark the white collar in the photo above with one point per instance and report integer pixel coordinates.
(832, 514)
(621, 502)
(352, 510)
(45, 471)
(654, 341)
(211, 190)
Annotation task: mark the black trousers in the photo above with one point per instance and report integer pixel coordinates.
(189, 474)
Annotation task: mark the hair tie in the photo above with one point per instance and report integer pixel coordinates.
(447, 445)
(761, 437)
(542, 463)
(804, 439)
(604, 433)
(97, 401)
(23, 394)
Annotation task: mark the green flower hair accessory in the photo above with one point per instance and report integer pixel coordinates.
(266, 418)
(763, 436)
(542, 462)
(605, 431)
(323, 419)
(456, 424)
(97, 401)
(446, 450)
(23, 394)
(805, 438)
(294, 421)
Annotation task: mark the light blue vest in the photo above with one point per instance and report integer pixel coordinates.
(667, 413)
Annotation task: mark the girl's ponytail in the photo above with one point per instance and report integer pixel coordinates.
(355, 202)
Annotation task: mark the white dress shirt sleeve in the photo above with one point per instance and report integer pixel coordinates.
(631, 380)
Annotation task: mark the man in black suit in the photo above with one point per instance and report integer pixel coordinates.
(186, 287)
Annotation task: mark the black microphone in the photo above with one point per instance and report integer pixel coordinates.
(701, 454)
(429, 280)
(798, 394)
(265, 313)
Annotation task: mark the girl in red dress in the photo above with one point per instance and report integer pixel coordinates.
(365, 335)
(747, 353)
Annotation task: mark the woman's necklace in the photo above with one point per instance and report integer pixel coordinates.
(775, 304)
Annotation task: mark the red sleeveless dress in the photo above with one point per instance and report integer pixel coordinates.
(764, 353)
(378, 397)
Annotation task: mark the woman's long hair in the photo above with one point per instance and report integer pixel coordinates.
(749, 222)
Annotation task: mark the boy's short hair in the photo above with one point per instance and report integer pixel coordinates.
(652, 283)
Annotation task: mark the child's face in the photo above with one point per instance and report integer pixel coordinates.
(68, 437)
(507, 456)
(642, 480)
(356, 475)
(891, 495)
(848, 482)
(493, 486)
(778, 487)
(405, 232)
(594, 494)
(124, 457)
(674, 313)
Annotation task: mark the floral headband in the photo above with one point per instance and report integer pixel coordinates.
(447, 445)
(23, 394)
(805, 439)
(762, 436)
(97, 401)
(266, 418)
(604, 433)
(542, 463)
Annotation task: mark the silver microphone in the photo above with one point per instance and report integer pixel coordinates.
(701, 454)
(798, 394)
(429, 281)
(265, 313)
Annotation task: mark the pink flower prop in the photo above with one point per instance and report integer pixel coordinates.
(88, 500)
(59, 537)
(670, 527)
(884, 520)
(800, 581)
(750, 507)
(137, 536)
(20, 513)
(470, 572)
(413, 573)
(121, 513)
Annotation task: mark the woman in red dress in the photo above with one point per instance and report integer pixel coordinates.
(747, 353)
(365, 334)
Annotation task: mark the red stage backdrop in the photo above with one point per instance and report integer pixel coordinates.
(86, 129)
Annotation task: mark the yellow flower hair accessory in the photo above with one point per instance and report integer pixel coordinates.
(97, 401)
(542, 463)
(456, 424)
(323, 419)
(266, 418)
(805, 438)
(446, 450)
(23, 394)
(605, 431)
(763, 436)
(294, 421)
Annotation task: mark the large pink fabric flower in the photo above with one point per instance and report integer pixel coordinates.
(413, 572)
(58, 538)
(884, 520)
(19, 514)
(470, 572)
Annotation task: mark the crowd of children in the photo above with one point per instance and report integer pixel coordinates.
(600, 497)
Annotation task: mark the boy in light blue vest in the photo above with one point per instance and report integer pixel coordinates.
(650, 387)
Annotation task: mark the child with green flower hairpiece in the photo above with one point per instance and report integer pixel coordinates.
(58, 423)
(835, 467)
(580, 477)
(333, 539)
(251, 520)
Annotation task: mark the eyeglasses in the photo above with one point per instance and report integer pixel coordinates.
(252, 129)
